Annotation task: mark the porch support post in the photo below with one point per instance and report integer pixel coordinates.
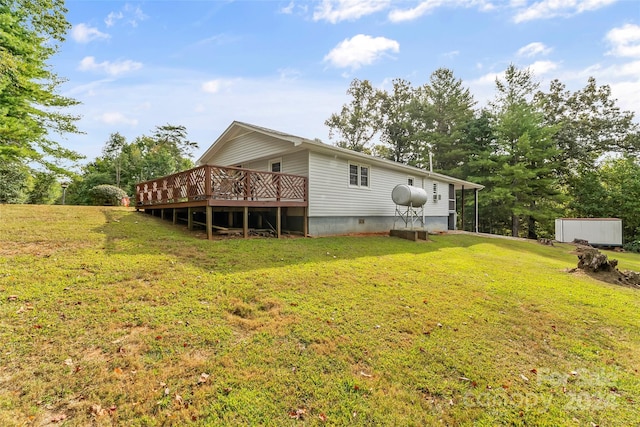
(475, 196)
(278, 221)
(209, 222)
(175, 216)
(190, 218)
(162, 214)
(305, 222)
(245, 222)
(462, 209)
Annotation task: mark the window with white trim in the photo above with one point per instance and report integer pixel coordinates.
(359, 175)
(410, 181)
(275, 165)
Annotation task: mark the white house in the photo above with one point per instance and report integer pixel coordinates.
(348, 192)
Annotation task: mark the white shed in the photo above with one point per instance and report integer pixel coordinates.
(597, 231)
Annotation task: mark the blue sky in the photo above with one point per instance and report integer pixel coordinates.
(287, 64)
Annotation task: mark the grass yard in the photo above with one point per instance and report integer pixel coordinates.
(111, 317)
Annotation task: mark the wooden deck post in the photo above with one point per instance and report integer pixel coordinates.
(175, 216)
(162, 214)
(245, 222)
(207, 182)
(209, 222)
(278, 221)
(190, 218)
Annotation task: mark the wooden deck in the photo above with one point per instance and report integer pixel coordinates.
(215, 189)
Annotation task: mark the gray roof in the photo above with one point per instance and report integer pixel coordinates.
(319, 146)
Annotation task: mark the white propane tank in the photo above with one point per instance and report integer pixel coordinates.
(408, 195)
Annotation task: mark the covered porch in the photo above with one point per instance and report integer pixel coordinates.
(228, 200)
(461, 189)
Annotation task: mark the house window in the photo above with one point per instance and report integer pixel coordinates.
(410, 181)
(364, 176)
(358, 175)
(353, 175)
(275, 165)
(435, 188)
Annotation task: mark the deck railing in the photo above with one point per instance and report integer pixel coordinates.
(222, 183)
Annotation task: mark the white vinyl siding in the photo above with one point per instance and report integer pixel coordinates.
(249, 146)
(440, 207)
(296, 163)
(331, 195)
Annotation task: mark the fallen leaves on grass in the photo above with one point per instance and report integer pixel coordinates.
(98, 411)
(58, 417)
(203, 378)
(298, 414)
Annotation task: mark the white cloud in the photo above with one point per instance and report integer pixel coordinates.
(360, 50)
(129, 14)
(488, 79)
(451, 54)
(135, 15)
(83, 33)
(215, 86)
(116, 118)
(533, 49)
(112, 17)
(89, 63)
(426, 6)
(423, 8)
(552, 8)
(625, 41)
(540, 68)
(176, 96)
(289, 73)
(288, 10)
(347, 10)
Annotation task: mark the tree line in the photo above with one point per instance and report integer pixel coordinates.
(165, 151)
(33, 164)
(540, 154)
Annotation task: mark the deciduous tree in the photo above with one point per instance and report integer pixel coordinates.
(358, 120)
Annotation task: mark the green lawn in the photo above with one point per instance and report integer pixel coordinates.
(111, 317)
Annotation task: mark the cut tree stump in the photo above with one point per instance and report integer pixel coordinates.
(598, 265)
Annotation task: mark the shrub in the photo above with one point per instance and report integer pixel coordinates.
(107, 194)
(632, 246)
